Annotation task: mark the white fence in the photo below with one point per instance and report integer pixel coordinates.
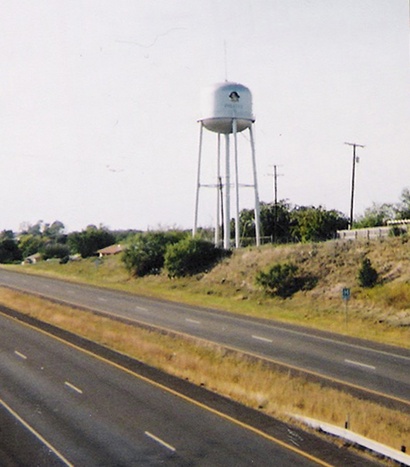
(371, 233)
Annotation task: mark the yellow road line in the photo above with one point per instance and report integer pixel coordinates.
(179, 395)
(289, 366)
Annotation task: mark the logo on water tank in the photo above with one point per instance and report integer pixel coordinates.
(234, 96)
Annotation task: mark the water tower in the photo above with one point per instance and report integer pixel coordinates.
(226, 109)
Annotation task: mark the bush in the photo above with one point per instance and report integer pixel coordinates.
(397, 231)
(367, 274)
(282, 280)
(279, 280)
(90, 240)
(9, 251)
(145, 254)
(55, 250)
(192, 256)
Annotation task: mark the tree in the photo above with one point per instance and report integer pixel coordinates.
(55, 232)
(30, 244)
(191, 256)
(300, 224)
(403, 209)
(9, 250)
(310, 224)
(7, 234)
(55, 250)
(367, 274)
(30, 229)
(88, 241)
(145, 253)
(376, 215)
(246, 224)
(275, 221)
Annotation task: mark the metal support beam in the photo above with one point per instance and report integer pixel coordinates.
(198, 181)
(256, 192)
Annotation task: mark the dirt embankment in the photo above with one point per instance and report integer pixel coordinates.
(335, 265)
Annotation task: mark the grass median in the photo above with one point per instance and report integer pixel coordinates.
(255, 385)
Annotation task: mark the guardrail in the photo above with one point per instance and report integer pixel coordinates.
(355, 438)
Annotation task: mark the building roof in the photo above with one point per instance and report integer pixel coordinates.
(110, 250)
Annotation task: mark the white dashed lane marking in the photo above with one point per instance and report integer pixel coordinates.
(74, 388)
(263, 339)
(160, 441)
(21, 355)
(193, 321)
(360, 364)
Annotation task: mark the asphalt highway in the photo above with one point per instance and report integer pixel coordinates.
(379, 368)
(83, 410)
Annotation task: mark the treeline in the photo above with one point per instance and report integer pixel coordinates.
(379, 214)
(284, 223)
(51, 241)
(280, 223)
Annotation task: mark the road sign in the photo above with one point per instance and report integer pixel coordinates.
(346, 293)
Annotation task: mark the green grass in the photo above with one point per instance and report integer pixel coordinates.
(381, 314)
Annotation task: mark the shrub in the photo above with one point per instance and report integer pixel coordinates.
(145, 254)
(191, 256)
(56, 250)
(90, 240)
(397, 231)
(279, 279)
(9, 251)
(367, 274)
(282, 280)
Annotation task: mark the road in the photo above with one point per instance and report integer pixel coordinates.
(379, 368)
(83, 410)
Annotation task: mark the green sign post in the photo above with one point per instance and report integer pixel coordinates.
(346, 298)
(346, 294)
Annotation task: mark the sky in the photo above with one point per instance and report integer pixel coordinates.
(100, 100)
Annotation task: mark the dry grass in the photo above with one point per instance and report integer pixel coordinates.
(232, 375)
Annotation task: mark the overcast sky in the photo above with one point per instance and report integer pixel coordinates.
(100, 101)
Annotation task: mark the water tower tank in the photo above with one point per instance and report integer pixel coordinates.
(222, 102)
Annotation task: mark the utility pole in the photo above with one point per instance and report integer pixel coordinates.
(354, 145)
(275, 184)
(275, 176)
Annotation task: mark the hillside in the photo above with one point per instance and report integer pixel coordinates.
(335, 265)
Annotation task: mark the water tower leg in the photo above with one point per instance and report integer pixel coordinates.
(227, 213)
(255, 184)
(198, 182)
(237, 227)
(218, 183)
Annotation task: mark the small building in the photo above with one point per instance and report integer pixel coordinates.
(32, 259)
(110, 250)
